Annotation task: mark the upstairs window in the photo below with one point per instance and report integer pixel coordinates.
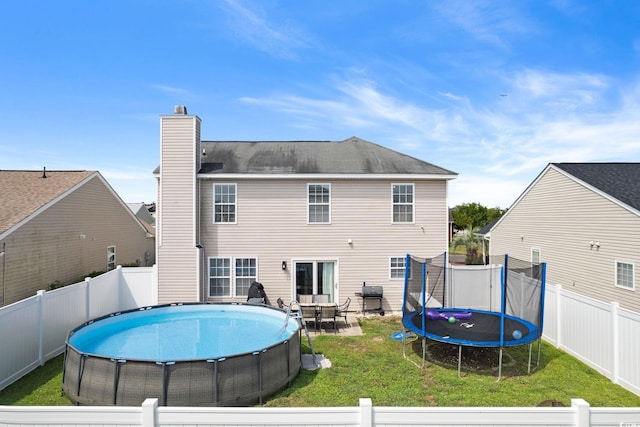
(402, 203)
(224, 203)
(319, 203)
(624, 275)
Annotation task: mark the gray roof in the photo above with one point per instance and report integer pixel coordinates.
(619, 180)
(352, 156)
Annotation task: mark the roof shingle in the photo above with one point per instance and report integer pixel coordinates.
(352, 156)
(619, 180)
(24, 192)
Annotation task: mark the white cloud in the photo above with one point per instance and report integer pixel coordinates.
(280, 39)
(504, 145)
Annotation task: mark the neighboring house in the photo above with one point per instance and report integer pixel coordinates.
(141, 211)
(301, 217)
(583, 220)
(56, 227)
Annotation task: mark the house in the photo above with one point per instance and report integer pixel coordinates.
(583, 220)
(300, 217)
(141, 211)
(57, 227)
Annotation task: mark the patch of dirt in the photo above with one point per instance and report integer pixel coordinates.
(482, 359)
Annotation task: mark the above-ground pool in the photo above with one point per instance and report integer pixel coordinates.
(184, 355)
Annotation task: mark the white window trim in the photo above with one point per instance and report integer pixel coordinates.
(235, 277)
(413, 203)
(111, 265)
(536, 249)
(235, 203)
(404, 269)
(633, 276)
(309, 184)
(232, 275)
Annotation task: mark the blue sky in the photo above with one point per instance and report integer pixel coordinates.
(493, 90)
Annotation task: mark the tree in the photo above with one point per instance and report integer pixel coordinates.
(474, 216)
(471, 242)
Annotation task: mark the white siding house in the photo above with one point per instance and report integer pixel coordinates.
(583, 220)
(300, 217)
(57, 227)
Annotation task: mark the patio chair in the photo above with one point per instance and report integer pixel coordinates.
(309, 314)
(327, 314)
(320, 298)
(304, 298)
(343, 310)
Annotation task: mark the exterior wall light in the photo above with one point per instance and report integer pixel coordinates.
(284, 265)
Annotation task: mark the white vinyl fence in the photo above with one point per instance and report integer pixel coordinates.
(604, 336)
(579, 414)
(33, 331)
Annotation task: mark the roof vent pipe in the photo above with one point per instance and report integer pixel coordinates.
(44, 172)
(180, 110)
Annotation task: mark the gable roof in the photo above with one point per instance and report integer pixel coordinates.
(353, 156)
(618, 180)
(24, 192)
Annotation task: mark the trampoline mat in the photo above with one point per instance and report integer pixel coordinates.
(483, 329)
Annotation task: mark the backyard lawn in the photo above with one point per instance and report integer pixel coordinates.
(372, 365)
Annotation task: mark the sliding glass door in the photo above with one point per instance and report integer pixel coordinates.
(316, 277)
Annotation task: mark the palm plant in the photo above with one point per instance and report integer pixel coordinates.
(471, 242)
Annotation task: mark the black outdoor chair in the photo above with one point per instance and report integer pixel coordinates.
(343, 310)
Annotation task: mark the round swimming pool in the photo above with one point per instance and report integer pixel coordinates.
(183, 354)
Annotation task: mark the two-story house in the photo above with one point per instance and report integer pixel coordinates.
(301, 217)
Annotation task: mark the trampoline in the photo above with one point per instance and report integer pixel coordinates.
(433, 295)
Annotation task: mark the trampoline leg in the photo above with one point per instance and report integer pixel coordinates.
(424, 351)
(529, 369)
(500, 366)
(539, 347)
(459, 359)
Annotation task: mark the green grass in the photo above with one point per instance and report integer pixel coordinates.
(373, 366)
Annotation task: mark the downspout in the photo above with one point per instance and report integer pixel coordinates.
(3, 254)
(201, 271)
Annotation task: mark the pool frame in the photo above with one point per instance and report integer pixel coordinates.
(243, 379)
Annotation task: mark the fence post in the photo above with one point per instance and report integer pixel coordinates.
(119, 286)
(40, 295)
(582, 412)
(558, 316)
(149, 412)
(615, 341)
(87, 299)
(366, 412)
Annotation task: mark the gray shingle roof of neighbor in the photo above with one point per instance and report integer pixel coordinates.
(351, 156)
(619, 180)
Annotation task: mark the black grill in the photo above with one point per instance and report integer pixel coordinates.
(372, 291)
(371, 294)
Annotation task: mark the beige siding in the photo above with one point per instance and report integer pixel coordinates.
(561, 217)
(69, 240)
(272, 226)
(176, 227)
